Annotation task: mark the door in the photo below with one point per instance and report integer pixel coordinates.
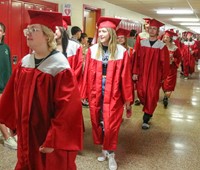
(90, 22)
(91, 16)
(17, 19)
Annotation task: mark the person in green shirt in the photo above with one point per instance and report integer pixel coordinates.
(5, 73)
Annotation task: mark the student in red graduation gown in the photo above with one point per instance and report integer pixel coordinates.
(144, 34)
(41, 101)
(189, 51)
(108, 86)
(122, 35)
(71, 49)
(151, 70)
(141, 36)
(175, 58)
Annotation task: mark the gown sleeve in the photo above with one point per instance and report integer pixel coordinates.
(66, 131)
(126, 79)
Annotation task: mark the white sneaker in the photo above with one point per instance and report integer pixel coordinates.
(103, 156)
(145, 126)
(111, 161)
(10, 143)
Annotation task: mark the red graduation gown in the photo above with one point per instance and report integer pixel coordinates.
(118, 90)
(74, 56)
(43, 105)
(141, 36)
(188, 58)
(152, 68)
(170, 82)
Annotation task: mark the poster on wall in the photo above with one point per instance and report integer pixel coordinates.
(66, 10)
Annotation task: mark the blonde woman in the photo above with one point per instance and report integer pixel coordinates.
(44, 104)
(175, 57)
(108, 86)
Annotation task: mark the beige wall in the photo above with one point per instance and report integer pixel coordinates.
(107, 10)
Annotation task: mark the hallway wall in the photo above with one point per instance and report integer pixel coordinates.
(107, 10)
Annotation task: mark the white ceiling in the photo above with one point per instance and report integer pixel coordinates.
(148, 7)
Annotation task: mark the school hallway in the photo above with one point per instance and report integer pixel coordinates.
(171, 143)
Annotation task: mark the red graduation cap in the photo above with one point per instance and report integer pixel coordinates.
(46, 18)
(147, 20)
(108, 22)
(123, 32)
(170, 33)
(66, 21)
(156, 23)
(184, 33)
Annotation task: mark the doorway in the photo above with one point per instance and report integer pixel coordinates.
(90, 17)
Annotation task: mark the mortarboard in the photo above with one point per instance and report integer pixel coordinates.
(147, 20)
(170, 33)
(156, 23)
(46, 18)
(123, 32)
(66, 21)
(184, 33)
(108, 22)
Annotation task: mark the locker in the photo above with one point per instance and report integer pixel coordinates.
(13, 13)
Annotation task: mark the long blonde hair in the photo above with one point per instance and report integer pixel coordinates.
(112, 44)
(51, 42)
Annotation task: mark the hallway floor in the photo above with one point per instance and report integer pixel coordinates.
(171, 143)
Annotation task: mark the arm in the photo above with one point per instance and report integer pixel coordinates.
(127, 87)
(136, 56)
(165, 62)
(84, 85)
(79, 63)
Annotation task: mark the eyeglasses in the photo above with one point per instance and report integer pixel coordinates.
(30, 30)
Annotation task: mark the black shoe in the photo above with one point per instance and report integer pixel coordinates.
(165, 101)
(146, 118)
(137, 102)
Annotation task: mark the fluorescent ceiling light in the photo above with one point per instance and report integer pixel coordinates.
(195, 29)
(185, 19)
(174, 11)
(184, 23)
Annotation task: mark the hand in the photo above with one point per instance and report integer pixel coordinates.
(135, 77)
(128, 112)
(45, 149)
(128, 106)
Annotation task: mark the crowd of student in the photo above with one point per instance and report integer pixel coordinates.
(42, 99)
